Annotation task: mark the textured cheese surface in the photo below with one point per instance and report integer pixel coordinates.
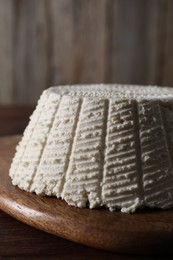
(100, 145)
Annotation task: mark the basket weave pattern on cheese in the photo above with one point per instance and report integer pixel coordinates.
(100, 145)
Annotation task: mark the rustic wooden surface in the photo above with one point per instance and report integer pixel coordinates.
(152, 231)
(145, 232)
(19, 240)
(46, 43)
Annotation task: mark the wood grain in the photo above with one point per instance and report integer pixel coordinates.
(133, 38)
(20, 241)
(168, 48)
(61, 46)
(89, 22)
(144, 232)
(6, 51)
(30, 50)
(46, 43)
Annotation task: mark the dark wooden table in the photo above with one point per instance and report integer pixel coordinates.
(20, 240)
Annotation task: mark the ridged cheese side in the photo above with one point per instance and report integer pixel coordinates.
(120, 182)
(83, 177)
(20, 149)
(30, 149)
(101, 149)
(49, 177)
(156, 161)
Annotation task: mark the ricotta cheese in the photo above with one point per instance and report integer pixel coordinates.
(100, 145)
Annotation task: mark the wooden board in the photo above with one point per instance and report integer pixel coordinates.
(147, 231)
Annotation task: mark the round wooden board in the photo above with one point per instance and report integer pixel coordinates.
(145, 232)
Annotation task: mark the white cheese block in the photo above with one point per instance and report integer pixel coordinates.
(100, 145)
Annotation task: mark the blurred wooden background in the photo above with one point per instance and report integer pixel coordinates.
(50, 42)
